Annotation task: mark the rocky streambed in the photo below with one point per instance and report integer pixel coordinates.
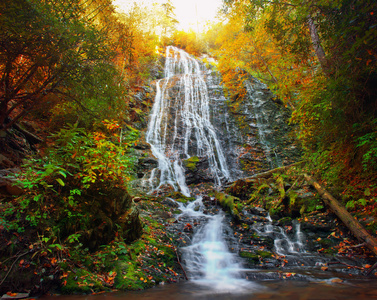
(315, 247)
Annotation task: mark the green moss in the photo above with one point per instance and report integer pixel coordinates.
(257, 195)
(227, 202)
(292, 198)
(129, 277)
(191, 162)
(249, 255)
(264, 254)
(82, 281)
(255, 257)
(285, 221)
(177, 196)
(275, 211)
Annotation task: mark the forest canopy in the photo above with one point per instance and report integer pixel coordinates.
(319, 58)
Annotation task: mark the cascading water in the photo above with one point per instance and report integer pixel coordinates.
(186, 122)
(180, 127)
(283, 244)
(181, 117)
(208, 259)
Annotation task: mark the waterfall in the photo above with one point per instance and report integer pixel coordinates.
(180, 125)
(208, 259)
(262, 123)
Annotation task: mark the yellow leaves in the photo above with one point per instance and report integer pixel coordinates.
(110, 124)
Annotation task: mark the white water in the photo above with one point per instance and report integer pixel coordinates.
(181, 115)
(283, 243)
(208, 259)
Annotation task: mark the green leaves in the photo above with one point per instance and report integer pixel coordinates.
(61, 182)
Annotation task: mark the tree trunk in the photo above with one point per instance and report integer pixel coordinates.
(270, 172)
(317, 45)
(350, 222)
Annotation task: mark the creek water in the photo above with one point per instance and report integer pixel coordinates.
(208, 261)
(273, 290)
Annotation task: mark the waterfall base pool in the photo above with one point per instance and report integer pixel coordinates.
(292, 290)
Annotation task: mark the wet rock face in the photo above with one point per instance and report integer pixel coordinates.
(253, 130)
(232, 137)
(145, 165)
(196, 170)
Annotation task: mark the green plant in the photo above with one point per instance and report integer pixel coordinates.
(353, 203)
(369, 141)
(59, 185)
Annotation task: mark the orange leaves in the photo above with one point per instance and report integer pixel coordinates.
(288, 275)
(188, 227)
(111, 124)
(98, 136)
(108, 278)
(53, 261)
(367, 266)
(10, 294)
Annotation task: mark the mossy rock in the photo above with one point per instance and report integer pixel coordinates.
(255, 257)
(109, 211)
(241, 189)
(286, 221)
(82, 282)
(228, 203)
(264, 254)
(190, 163)
(250, 256)
(177, 196)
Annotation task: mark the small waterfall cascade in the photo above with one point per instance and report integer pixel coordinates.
(180, 126)
(284, 244)
(208, 259)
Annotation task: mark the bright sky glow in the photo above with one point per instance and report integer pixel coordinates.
(191, 14)
(195, 13)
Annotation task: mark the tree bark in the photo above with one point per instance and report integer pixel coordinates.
(317, 45)
(31, 138)
(270, 172)
(350, 222)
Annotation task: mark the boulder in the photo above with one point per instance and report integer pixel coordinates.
(197, 170)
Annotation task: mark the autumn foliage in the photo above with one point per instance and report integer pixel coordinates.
(319, 58)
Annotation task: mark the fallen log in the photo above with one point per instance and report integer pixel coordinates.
(349, 221)
(270, 172)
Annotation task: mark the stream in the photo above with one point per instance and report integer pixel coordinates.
(214, 252)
